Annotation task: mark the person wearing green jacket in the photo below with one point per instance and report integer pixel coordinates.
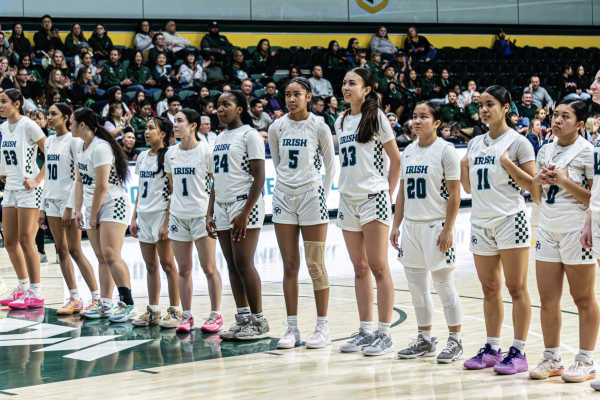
(141, 74)
(73, 39)
(160, 47)
(454, 112)
(430, 89)
(375, 66)
(100, 43)
(331, 114)
(264, 58)
(115, 74)
(389, 75)
(139, 122)
(215, 44)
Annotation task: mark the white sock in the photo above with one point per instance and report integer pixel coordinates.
(519, 344)
(426, 334)
(494, 342)
(455, 336)
(292, 320)
(177, 308)
(384, 328)
(367, 327)
(322, 321)
(187, 313)
(96, 294)
(588, 353)
(555, 351)
(75, 294)
(217, 313)
(258, 316)
(24, 283)
(37, 289)
(106, 302)
(243, 310)
(155, 308)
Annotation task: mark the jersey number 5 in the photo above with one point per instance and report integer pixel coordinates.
(349, 155)
(293, 156)
(10, 157)
(224, 165)
(420, 188)
(482, 179)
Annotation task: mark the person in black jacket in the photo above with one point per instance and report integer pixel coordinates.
(506, 47)
(417, 46)
(46, 38)
(21, 45)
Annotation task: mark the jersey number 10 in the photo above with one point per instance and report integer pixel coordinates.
(52, 172)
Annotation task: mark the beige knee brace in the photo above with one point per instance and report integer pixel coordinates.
(315, 261)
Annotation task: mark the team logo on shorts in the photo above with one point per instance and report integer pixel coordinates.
(47, 205)
(277, 210)
(340, 216)
(174, 228)
(401, 253)
(538, 245)
(473, 240)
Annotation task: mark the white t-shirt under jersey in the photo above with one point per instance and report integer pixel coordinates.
(364, 166)
(61, 156)
(499, 197)
(561, 212)
(98, 153)
(19, 151)
(298, 148)
(154, 190)
(425, 171)
(230, 162)
(190, 173)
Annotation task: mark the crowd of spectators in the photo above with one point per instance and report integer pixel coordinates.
(163, 72)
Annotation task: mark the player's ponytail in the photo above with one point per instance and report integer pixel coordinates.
(165, 126)
(241, 101)
(504, 97)
(88, 117)
(369, 123)
(15, 95)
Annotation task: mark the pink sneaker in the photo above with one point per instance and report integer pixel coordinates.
(213, 324)
(186, 325)
(27, 301)
(485, 358)
(12, 296)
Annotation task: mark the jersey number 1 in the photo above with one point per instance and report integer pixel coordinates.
(145, 190)
(482, 179)
(349, 156)
(10, 157)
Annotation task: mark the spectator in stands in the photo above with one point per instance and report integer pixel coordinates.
(568, 85)
(396, 96)
(205, 129)
(163, 73)
(265, 136)
(34, 74)
(140, 120)
(128, 142)
(444, 80)
(46, 38)
(527, 109)
(274, 106)
(29, 89)
(331, 113)
(505, 47)
(210, 112)
(375, 66)
(294, 73)
(541, 98)
(264, 58)
(84, 86)
(407, 136)
(115, 95)
(52, 97)
(163, 104)
(177, 43)
(6, 74)
(117, 122)
(381, 43)
(203, 93)
(318, 106)
(417, 46)
(535, 135)
(7, 51)
(174, 105)
(413, 85)
(592, 126)
(246, 88)
(402, 63)
(57, 80)
(471, 88)
(360, 61)
(143, 36)
(389, 75)
(351, 51)
(333, 58)
(83, 48)
(521, 123)
(136, 103)
(261, 119)
(453, 111)
(216, 44)
(583, 83)
(541, 114)
(73, 39)
(59, 62)
(321, 87)
(160, 47)
(20, 44)
(472, 108)
(140, 75)
(393, 120)
(238, 70)
(451, 132)
(192, 73)
(457, 88)
(87, 62)
(115, 74)
(430, 89)
(100, 43)
(214, 73)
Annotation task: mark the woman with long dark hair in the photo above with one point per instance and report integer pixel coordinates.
(239, 211)
(143, 36)
(367, 178)
(351, 50)
(21, 45)
(264, 58)
(140, 74)
(73, 39)
(102, 173)
(417, 46)
(100, 42)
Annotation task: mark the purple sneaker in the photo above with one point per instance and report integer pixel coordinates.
(485, 358)
(513, 363)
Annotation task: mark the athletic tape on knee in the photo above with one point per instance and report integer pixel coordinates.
(416, 293)
(445, 291)
(314, 252)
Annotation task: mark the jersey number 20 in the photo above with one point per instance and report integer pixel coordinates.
(10, 157)
(349, 155)
(224, 164)
(420, 188)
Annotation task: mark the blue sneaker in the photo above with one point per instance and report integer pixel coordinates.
(99, 310)
(123, 313)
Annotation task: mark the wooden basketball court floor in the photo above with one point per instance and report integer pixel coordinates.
(50, 357)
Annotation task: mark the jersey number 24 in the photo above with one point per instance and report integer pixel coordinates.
(223, 165)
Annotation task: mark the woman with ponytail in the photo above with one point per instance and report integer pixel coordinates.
(21, 138)
(148, 216)
(367, 179)
(497, 165)
(238, 162)
(102, 173)
(61, 157)
(187, 165)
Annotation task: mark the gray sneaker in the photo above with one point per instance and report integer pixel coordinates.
(359, 341)
(420, 347)
(452, 352)
(255, 329)
(240, 322)
(380, 346)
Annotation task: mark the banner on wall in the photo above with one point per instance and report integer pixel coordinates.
(332, 201)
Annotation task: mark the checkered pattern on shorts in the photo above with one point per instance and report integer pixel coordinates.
(113, 178)
(207, 183)
(378, 155)
(253, 217)
(28, 159)
(586, 254)
(521, 229)
(317, 159)
(72, 166)
(165, 190)
(444, 190)
(246, 164)
(120, 211)
(513, 183)
(381, 206)
(38, 196)
(322, 204)
(450, 256)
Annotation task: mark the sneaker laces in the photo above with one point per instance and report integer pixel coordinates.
(121, 307)
(28, 294)
(578, 364)
(319, 331)
(482, 351)
(185, 319)
(414, 343)
(16, 290)
(212, 318)
(69, 300)
(450, 346)
(508, 357)
(356, 337)
(289, 330)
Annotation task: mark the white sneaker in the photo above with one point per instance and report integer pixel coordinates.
(319, 339)
(291, 338)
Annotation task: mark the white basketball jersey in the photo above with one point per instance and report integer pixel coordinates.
(19, 151)
(595, 200)
(230, 162)
(297, 148)
(98, 153)
(364, 166)
(154, 189)
(561, 211)
(190, 174)
(425, 192)
(495, 195)
(61, 155)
